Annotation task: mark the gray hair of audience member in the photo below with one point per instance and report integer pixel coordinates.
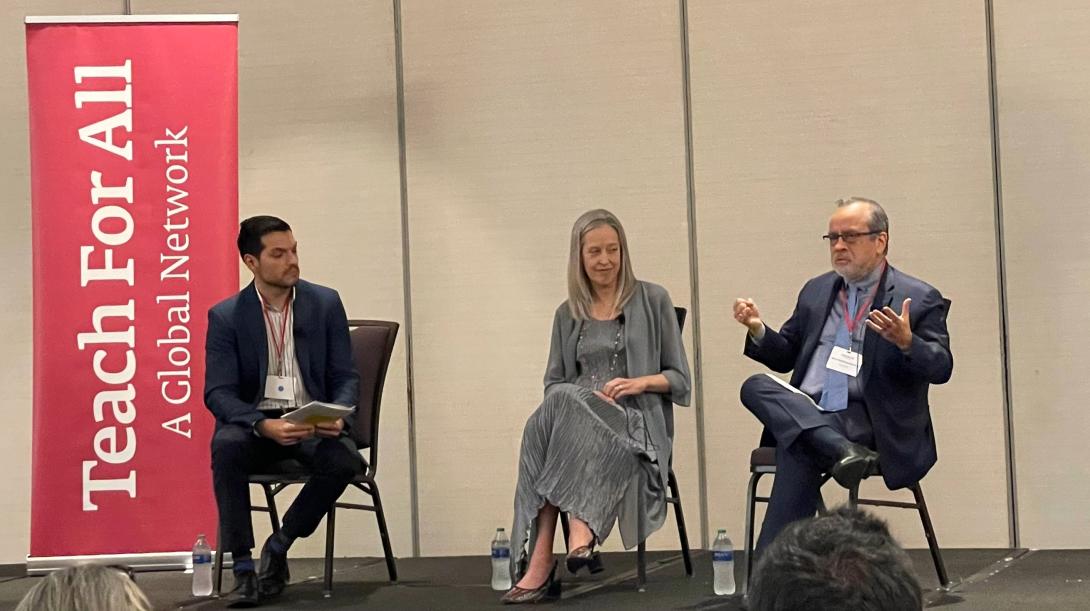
(842, 561)
(580, 292)
(879, 220)
(87, 587)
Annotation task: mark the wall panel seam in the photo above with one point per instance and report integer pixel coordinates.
(694, 276)
(399, 72)
(1001, 283)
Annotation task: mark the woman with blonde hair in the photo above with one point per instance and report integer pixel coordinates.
(87, 587)
(601, 439)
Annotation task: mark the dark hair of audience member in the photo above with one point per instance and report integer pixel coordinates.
(842, 561)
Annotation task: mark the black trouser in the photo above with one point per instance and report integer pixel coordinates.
(237, 452)
(799, 467)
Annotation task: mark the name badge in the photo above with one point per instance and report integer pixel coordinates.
(845, 361)
(280, 387)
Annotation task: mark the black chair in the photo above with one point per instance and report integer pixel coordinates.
(372, 346)
(674, 498)
(762, 461)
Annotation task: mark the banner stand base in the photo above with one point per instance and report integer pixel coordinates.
(164, 561)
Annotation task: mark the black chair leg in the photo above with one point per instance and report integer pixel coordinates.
(270, 501)
(682, 534)
(932, 540)
(751, 508)
(330, 528)
(217, 567)
(641, 549)
(383, 532)
(566, 529)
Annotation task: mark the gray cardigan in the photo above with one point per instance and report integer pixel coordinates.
(653, 345)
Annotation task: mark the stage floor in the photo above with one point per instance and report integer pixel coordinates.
(984, 580)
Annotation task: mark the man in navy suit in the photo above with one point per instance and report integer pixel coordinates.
(275, 346)
(860, 371)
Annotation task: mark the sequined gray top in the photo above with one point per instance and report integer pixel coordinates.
(600, 353)
(600, 357)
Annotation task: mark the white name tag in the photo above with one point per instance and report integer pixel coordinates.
(280, 387)
(845, 361)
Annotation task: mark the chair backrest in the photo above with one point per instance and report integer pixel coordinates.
(372, 346)
(668, 412)
(681, 313)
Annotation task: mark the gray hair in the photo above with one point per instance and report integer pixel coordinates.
(580, 293)
(878, 221)
(87, 587)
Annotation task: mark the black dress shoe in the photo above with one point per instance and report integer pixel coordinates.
(245, 594)
(856, 463)
(273, 573)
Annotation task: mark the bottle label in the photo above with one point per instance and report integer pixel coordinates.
(202, 558)
(723, 556)
(501, 553)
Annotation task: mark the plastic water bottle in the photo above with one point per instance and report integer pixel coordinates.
(202, 567)
(723, 564)
(501, 561)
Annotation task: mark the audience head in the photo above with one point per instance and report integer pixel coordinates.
(87, 587)
(858, 237)
(843, 561)
(269, 250)
(598, 261)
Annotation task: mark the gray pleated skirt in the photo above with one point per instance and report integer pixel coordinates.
(578, 454)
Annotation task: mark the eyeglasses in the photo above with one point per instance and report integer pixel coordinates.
(849, 237)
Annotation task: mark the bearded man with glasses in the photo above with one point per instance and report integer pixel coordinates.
(860, 371)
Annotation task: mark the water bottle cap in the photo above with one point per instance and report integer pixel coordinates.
(499, 530)
(722, 531)
(200, 536)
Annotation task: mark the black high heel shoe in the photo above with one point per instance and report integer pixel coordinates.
(548, 592)
(585, 556)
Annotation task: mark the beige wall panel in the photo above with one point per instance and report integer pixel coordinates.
(519, 117)
(318, 147)
(1043, 94)
(796, 105)
(16, 327)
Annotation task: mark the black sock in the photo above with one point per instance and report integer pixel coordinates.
(244, 563)
(279, 542)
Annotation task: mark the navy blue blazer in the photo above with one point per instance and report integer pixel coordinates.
(237, 353)
(894, 383)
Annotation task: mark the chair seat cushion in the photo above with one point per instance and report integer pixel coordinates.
(762, 457)
(290, 471)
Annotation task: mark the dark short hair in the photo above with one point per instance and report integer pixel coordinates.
(253, 229)
(842, 560)
(879, 220)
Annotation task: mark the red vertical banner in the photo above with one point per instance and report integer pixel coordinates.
(134, 190)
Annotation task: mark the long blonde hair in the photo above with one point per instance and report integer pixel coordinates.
(580, 292)
(86, 587)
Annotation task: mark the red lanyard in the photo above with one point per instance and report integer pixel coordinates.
(278, 346)
(853, 321)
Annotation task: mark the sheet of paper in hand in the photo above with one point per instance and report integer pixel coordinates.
(316, 411)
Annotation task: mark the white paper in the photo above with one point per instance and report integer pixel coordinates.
(795, 390)
(316, 411)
